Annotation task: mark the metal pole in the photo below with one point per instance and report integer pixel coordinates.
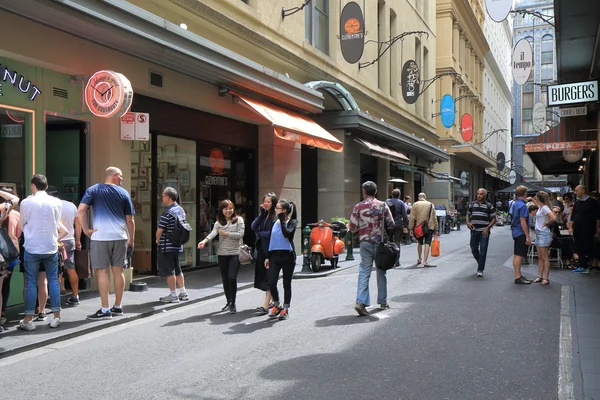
(306, 249)
(349, 254)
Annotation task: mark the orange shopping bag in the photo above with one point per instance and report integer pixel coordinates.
(435, 247)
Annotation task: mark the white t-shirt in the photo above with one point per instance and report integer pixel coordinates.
(69, 213)
(541, 218)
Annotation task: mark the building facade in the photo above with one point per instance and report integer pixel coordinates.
(225, 84)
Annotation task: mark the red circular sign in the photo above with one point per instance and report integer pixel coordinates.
(466, 127)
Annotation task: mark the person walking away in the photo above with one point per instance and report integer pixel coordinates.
(112, 234)
(520, 232)
(71, 242)
(584, 226)
(262, 226)
(40, 222)
(168, 252)
(5, 266)
(423, 212)
(282, 257)
(481, 217)
(230, 229)
(409, 238)
(398, 209)
(543, 236)
(367, 220)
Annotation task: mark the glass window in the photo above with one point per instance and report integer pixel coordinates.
(547, 71)
(527, 113)
(14, 126)
(527, 127)
(316, 27)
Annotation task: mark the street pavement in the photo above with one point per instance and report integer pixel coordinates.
(448, 335)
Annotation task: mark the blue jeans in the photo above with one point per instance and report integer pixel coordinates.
(479, 246)
(367, 256)
(32, 267)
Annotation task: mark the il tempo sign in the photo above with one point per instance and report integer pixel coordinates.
(571, 93)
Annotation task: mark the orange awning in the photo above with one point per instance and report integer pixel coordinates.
(292, 126)
(384, 152)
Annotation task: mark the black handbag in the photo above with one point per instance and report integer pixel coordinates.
(7, 248)
(387, 251)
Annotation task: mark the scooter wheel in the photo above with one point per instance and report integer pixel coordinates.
(315, 262)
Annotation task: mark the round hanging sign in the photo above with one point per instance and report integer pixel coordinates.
(539, 117)
(464, 178)
(512, 177)
(447, 111)
(572, 155)
(500, 161)
(498, 10)
(522, 62)
(108, 94)
(352, 32)
(466, 127)
(411, 82)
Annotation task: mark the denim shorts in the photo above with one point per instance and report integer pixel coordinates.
(543, 238)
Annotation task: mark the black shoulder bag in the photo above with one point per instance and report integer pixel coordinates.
(387, 251)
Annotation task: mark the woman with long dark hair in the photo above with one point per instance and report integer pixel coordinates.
(262, 226)
(230, 229)
(282, 256)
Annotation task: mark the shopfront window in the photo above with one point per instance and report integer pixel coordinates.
(13, 127)
(461, 191)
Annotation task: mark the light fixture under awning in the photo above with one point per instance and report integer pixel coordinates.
(292, 126)
(383, 152)
(397, 180)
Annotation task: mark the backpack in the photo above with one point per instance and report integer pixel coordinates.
(180, 234)
(390, 204)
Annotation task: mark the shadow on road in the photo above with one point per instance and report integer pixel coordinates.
(214, 318)
(343, 320)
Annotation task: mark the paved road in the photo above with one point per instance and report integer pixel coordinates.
(448, 335)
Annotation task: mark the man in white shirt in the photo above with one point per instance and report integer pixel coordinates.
(40, 220)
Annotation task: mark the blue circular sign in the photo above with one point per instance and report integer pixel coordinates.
(447, 111)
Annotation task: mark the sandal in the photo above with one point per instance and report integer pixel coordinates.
(418, 262)
(537, 280)
(545, 282)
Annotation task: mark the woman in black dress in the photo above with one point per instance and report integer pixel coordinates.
(262, 226)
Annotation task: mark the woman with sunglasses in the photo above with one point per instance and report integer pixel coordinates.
(262, 226)
(543, 237)
(282, 256)
(230, 229)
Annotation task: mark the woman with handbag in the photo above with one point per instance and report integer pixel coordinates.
(282, 256)
(262, 226)
(7, 259)
(230, 229)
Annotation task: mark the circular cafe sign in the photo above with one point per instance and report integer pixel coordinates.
(411, 82)
(522, 62)
(108, 94)
(447, 111)
(498, 10)
(512, 177)
(539, 117)
(572, 155)
(352, 32)
(466, 127)
(464, 178)
(500, 161)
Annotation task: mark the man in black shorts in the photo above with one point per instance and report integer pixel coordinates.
(520, 232)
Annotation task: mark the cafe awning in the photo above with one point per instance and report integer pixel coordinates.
(549, 158)
(472, 154)
(383, 152)
(292, 126)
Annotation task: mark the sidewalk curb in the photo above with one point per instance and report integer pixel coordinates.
(114, 322)
(311, 275)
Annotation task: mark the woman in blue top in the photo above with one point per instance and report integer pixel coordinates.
(262, 226)
(282, 256)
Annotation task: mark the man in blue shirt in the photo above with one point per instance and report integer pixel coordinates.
(520, 232)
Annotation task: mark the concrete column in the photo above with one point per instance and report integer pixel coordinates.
(280, 170)
(455, 41)
(383, 174)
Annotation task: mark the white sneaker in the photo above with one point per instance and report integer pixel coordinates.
(55, 322)
(30, 326)
(480, 274)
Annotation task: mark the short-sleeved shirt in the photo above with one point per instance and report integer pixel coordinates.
(167, 223)
(110, 206)
(69, 213)
(481, 215)
(518, 210)
(367, 219)
(585, 214)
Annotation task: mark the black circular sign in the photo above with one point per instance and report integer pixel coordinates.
(411, 82)
(352, 32)
(500, 161)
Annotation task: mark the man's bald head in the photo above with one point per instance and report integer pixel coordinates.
(113, 176)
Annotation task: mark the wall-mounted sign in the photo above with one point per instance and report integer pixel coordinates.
(500, 161)
(108, 94)
(135, 126)
(352, 32)
(572, 155)
(447, 111)
(466, 127)
(522, 62)
(512, 177)
(572, 111)
(411, 82)
(464, 178)
(498, 10)
(18, 81)
(571, 93)
(559, 146)
(538, 117)
(11, 131)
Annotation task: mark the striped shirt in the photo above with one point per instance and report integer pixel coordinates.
(481, 215)
(167, 224)
(229, 245)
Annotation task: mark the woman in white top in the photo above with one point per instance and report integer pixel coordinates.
(543, 235)
(230, 229)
